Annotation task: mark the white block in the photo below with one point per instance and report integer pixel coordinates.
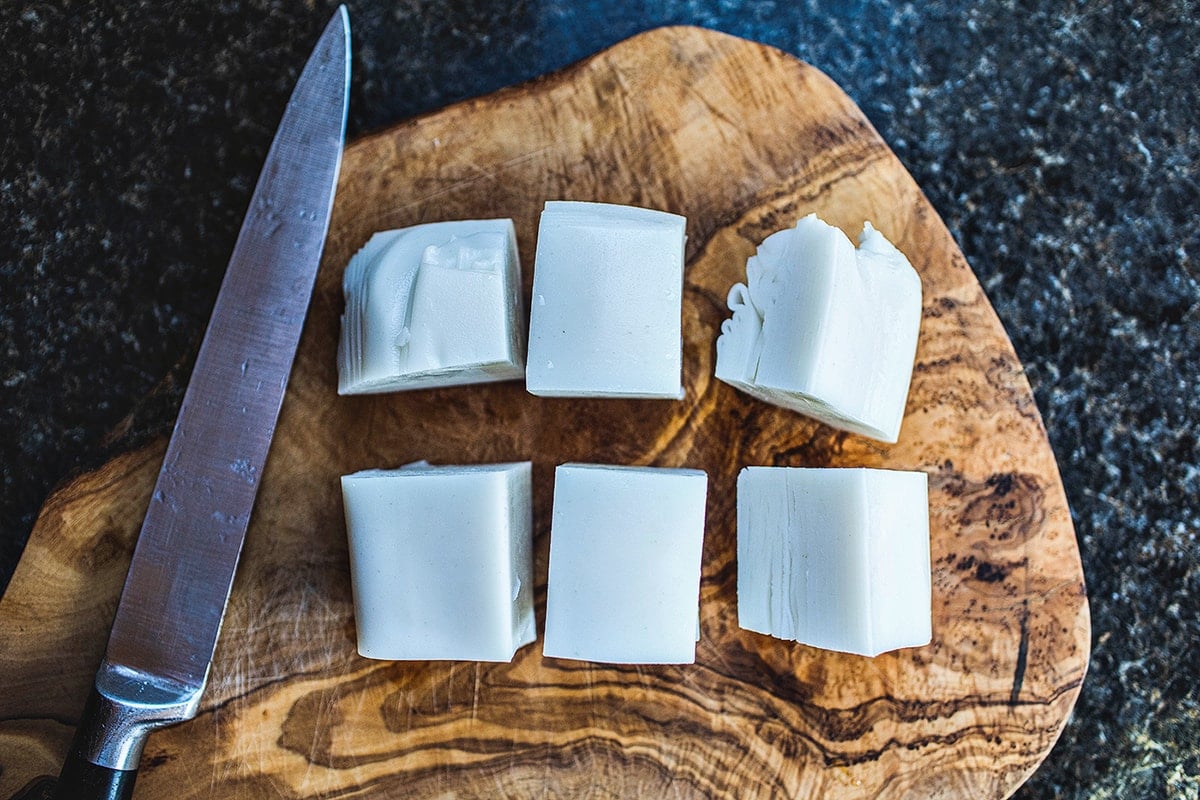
(432, 305)
(625, 550)
(605, 319)
(835, 558)
(825, 329)
(441, 561)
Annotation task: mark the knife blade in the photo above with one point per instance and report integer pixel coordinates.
(169, 616)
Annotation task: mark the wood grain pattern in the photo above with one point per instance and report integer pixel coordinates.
(742, 140)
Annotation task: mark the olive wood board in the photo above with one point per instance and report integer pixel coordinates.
(742, 140)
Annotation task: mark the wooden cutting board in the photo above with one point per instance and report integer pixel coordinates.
(742, 140)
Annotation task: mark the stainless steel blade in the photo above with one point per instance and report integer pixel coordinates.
(179, 581)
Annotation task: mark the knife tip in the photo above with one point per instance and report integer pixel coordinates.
(342, 16)
(336, 33)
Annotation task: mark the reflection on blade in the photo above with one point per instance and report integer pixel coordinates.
(174, 597)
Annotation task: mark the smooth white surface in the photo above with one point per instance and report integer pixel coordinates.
(432, 305)
(625, 550)
(441, 561)
(835, 558)
(825, 329)
(605, 319)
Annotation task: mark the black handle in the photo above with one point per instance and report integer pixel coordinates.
(80, 779)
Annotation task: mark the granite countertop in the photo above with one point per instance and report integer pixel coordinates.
(1057, 140)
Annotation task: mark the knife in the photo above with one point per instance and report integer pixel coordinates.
(169, 616)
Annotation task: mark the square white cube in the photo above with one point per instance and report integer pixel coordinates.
(625, 552)
(605, 318)
(824, 328)
(441, 561)
(835, 558)
(432, 305)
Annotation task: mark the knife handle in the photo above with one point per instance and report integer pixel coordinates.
(83, 779)
(123, 708)
(80, 779)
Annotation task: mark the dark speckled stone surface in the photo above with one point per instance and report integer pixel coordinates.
(1058, 140)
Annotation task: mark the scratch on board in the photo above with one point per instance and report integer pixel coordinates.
(491, 175)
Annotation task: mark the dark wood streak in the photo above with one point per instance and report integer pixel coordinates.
(1022, 657)
(65, 720)
(787, 692)
(1009, 505)
(799, 197)
(620, 774)
(506, 698)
